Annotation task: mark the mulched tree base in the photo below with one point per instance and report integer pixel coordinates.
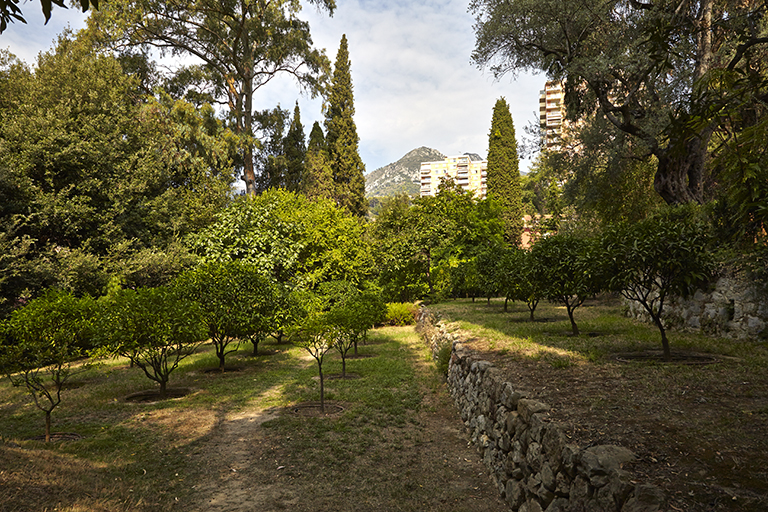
(657, 356)
(153, 395)
(313, 410)
(227, 369)
(58, 436)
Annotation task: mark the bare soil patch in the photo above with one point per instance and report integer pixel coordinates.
(657, 356)
(316, 409)
(153, 395)
(296, 459)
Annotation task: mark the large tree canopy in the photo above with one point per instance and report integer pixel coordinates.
(90, 168)
(654, 69)
(290, 238)
(241, 45)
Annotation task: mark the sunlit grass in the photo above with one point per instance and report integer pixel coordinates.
(141, 451)
(604, 331)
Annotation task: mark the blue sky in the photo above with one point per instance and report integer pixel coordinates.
(413, 81)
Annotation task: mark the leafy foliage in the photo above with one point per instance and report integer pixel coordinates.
(45, 341)
(10, 11)
(342, 140)
(156, 328)
(663, 255)
(504, 172)
(400, 313)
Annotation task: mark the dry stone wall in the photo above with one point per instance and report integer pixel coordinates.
(731, 307)
(527, 454)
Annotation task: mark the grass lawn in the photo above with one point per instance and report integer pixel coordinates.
(240, 440)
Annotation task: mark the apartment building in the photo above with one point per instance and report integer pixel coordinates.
(468, 171)
(552, 113)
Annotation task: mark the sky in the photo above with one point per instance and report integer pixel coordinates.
(414, 84)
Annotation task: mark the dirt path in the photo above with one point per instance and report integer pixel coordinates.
(260, 460)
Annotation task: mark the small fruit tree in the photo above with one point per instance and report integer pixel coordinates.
(352, 312)
(665, 254)
(566, 267)
(235, 300)
(517, 278)
(156, 328)
(314, 332)
(45, 346)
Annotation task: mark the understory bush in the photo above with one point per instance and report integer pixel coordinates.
(401, 313)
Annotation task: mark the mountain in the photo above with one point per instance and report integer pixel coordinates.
(401, 176)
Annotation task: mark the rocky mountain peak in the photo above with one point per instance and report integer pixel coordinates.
(400, 176)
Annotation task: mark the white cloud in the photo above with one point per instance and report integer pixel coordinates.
(413, 81)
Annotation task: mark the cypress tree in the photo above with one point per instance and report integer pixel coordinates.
(342, 140)
(504, 172)
(294, 149)
(318, 176)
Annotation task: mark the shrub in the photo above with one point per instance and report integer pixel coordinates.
(401, 313)
(444, 358)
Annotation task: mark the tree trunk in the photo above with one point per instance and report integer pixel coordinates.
(680, 173)
(255, 341)
(574, 327)
(47, 426)
(506, 300)
(532, 307)
(322, 387)
(249, 175)
(163, 388)
(664, 340)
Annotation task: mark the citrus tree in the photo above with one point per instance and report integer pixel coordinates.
(517, 278)
(314, 333)
(565, 266)
(352, 312)
(649, 261)
(235, 301)
(156, 328)
(45, 346)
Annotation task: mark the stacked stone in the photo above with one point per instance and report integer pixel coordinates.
(528, 455)
(733, 307)
(432, 331)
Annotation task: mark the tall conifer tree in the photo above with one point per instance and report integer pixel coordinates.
(318, 176)
(504, 171)
(342, 139)
(294, 149)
